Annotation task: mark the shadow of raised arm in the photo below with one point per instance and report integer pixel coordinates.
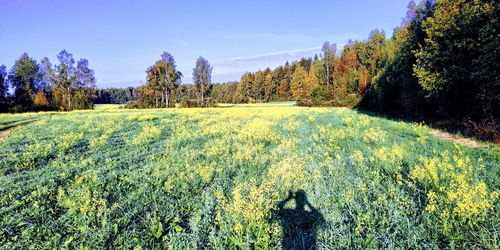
(315, 213)
(282, 203)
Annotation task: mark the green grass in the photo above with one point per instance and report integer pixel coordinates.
(8, 121)
(107, 106)
(258, 105)
(222, 178)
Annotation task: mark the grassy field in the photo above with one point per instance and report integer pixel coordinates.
(244, 176)
(103, 107)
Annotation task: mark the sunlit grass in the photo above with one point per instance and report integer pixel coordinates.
(107, 106)
(255, 105)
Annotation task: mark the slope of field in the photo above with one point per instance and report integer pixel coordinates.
(241, 176)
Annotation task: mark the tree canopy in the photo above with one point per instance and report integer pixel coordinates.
(42, 86)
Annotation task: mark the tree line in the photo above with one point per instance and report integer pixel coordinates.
(40, 86)
(115, 95)
(441, 63)
(334, 78)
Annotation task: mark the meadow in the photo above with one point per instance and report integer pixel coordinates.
(241, 177)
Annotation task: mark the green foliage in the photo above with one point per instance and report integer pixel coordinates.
(115, 95)
(395, 90)
(223, 92)
(83, 99)
(186, 103)
(331, 80)
(202, 77)
(44, 87)
(23, 77)
(4, 89)
(216, 178)
(458, 64)
(163, 79)
(442, 66)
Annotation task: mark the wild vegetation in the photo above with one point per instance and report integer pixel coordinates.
(229, 178)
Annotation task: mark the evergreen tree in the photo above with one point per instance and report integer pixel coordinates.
(396, 90)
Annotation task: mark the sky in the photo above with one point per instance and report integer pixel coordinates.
(121, 38)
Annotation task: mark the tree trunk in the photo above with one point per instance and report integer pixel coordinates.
(69, 99)
(486, 103)
(327, 77)
(167, 101)
(202, 93)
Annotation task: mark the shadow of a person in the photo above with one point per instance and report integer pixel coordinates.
(299, 226)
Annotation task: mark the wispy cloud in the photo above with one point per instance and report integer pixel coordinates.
(270, 56)
(262, 36)
(235, 66)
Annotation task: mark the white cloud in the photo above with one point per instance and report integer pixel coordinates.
(223, 69)
(271, 56)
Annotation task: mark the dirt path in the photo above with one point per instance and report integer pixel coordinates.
(4, 133)
(459, 140)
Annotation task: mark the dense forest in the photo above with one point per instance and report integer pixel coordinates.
(440, 64)
(115, 95)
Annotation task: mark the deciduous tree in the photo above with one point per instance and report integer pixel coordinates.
(40, 101)
(311, 82)
(298, 86)
(202, 77)
(329, 54)
(4, 89)
(458, 63)
(24, 78)
(162, 81)
(65, 79)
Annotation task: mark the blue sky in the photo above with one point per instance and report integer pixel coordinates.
(122, 38)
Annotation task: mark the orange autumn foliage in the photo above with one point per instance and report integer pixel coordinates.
(40, 99)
